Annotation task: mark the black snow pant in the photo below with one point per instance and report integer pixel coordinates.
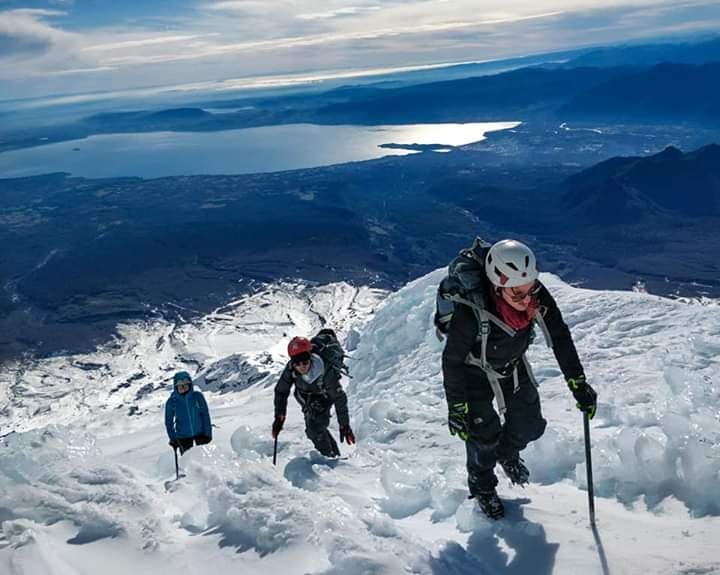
(185, 443)
(489, 440)
(316, 410)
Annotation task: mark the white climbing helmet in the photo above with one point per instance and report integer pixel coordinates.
(510, 263)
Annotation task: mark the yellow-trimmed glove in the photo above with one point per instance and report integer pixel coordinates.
(584, 395)
(457, 419)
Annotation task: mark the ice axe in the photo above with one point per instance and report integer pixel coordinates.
(588, 468)
(177, 468)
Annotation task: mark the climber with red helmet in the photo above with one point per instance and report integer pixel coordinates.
(317, 390)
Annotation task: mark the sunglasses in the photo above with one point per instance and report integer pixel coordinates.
(517, 295)
(301, 362)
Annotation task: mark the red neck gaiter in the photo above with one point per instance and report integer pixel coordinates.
(516, 319)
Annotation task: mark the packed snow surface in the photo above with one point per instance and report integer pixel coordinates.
(87, 478)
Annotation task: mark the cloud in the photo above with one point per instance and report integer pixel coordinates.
(23, 33)
(36, 12)
(210, 40)
(141, 42)
(76, 71)
(208, 50)
(338, 13)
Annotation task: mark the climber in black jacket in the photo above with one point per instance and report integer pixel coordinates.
(317, 389)
(497, 298)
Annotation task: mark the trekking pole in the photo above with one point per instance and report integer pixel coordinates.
(177, 468)
(275, 452)
(588, 466)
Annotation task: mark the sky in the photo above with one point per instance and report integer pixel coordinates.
(52, 47)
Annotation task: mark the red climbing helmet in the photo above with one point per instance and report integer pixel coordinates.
(299, 345)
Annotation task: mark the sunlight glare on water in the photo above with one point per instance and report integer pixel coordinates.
(242, 151)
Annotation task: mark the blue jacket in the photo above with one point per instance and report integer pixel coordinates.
(187, 415)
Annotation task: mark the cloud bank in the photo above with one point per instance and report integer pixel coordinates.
(208, 40)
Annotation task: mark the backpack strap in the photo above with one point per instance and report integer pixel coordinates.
(484, 317)
(540, 320)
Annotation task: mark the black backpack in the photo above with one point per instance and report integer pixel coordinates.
(326, 345)
(465, 281)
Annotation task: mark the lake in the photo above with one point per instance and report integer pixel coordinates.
(243, 151)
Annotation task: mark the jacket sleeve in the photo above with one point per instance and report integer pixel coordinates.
(282, 391)
(170, 418)
(461, 338)
(204, 414)
(563, 345)
(336, 394)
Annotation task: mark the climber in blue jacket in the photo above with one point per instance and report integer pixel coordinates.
(187, 418)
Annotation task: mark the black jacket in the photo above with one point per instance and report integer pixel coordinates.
(327, 391)
(503, 351)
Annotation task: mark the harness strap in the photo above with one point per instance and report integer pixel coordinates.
(540, 320)
(484, 334)
(529, 370)
(497, 390)
(494, 380)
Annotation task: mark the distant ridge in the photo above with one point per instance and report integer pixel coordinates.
(667, 92)
(169, 118)
(527, 90)
(624, 190)
(650, 54)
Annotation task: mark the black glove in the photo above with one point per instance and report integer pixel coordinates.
(584, 395)
(347, 435)
(457, 419)
(175, 444)
(277, 425)
(202, 439)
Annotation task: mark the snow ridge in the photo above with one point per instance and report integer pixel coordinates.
(231, 348)
(81, 478)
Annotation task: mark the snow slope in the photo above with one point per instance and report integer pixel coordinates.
(87, 473)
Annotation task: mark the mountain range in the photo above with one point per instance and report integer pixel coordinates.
(623, 190)
(666, 93)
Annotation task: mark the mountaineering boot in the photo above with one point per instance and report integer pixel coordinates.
(490, 504)
(328, 446)
(515, 470)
